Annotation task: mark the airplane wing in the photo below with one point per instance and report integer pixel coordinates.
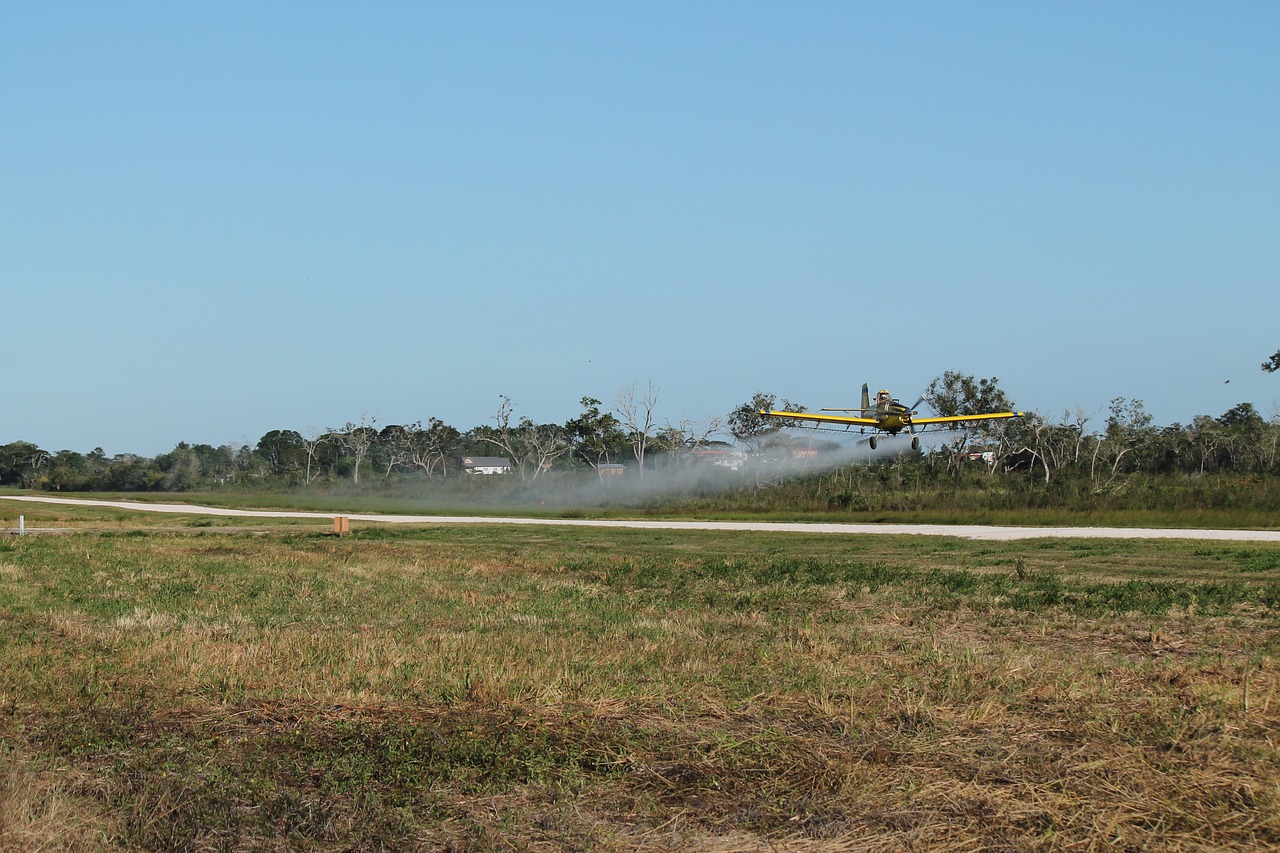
(848, 420)
(956, 419)
(844, 420)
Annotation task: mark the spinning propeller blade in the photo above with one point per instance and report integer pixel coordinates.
(911, 427)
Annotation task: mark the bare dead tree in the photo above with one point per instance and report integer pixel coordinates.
(687, 437)
(636, 415)
(543, 444)
(311, 443)
(505, 436)
(1128, 427)
(397, 445)
(1036, 429)
(357, 438)
(430, 447)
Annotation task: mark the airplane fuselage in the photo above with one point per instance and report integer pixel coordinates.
(893, 422)
(891, 416)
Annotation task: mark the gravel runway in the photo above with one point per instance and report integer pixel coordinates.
(965, 531)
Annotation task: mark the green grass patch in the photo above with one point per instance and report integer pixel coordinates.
(466, 687)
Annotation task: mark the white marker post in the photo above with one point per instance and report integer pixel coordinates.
(22, 525)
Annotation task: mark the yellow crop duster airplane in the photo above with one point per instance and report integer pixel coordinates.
(889, 416)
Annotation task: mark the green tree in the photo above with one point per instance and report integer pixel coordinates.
(1272, 364)
(430, 447)
(19, 463)
(597, 436)
(284, 451)
(179, 468)
(1206, 436)
(1128, 428)
(356, 439)
(1242, 416)
(1243, 437)
(751, 428)
(68, 471)
(954, 393)
(190, 466)
(129, 473)
(393, 448)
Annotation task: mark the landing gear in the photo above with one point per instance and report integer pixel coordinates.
(915, 442)
(872, 442)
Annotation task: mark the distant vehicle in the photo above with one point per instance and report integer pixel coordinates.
(888, 415)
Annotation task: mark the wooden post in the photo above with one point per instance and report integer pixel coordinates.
(341, 524)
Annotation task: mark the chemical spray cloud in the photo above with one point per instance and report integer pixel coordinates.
(710, 474)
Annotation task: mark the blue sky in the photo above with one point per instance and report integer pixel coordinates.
(218, 219)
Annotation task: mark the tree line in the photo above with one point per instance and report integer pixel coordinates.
(363, 450)
(1100, 448)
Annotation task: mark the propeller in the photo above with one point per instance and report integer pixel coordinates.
(911, 427)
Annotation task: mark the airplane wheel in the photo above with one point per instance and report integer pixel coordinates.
(915, 443)
(872, 442)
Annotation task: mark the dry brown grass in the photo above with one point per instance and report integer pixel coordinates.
(41, 810)
(473, 690)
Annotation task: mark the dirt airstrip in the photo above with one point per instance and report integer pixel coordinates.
(980, 532)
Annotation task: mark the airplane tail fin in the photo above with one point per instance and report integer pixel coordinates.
(866, 399)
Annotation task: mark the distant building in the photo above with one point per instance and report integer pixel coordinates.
(486, 465)
(723, 456)
(611, 469)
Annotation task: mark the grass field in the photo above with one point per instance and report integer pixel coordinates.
(187, 683)
(1239, 503)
